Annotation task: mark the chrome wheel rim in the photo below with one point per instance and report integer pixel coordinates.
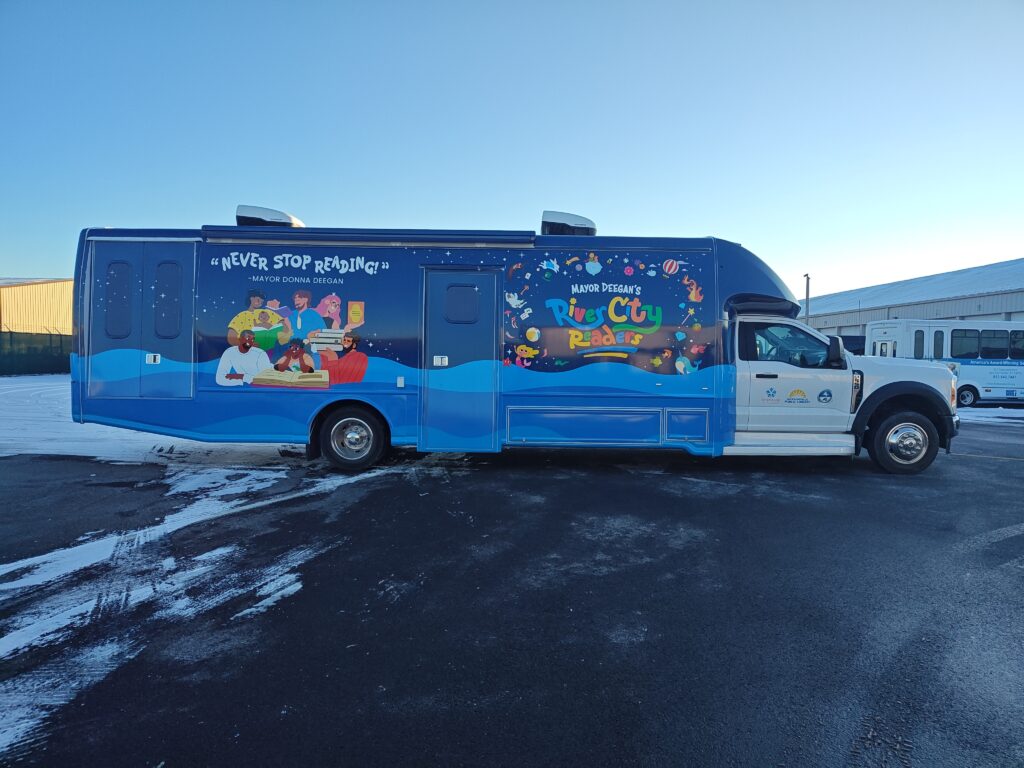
(352, 438)
(966, 397)
(906, 443)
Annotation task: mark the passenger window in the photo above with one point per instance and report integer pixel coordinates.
(883, 349)
(938, 345)
(994, 345)
(1017, 345)
(963, 344)
(167, 300)
(118, 310)
(918, 345)
(782, 343)
(462, 304)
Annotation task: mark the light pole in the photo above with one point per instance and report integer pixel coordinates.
(807, 299)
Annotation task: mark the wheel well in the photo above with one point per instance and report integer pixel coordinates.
(915, 403)
(313, 444)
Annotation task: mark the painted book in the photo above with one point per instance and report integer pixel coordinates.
(293, 379)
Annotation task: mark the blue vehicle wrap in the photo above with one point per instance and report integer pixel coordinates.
(462, 341)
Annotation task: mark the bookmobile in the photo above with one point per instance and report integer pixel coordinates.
(354, 340)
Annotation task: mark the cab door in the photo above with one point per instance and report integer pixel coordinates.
(783, 384)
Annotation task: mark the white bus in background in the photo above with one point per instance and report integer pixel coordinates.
(986, 356)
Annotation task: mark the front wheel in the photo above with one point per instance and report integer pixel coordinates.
(967, 396)
(353, 439)
(904, 444)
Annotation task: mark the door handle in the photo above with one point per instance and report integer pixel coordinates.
(766, 375)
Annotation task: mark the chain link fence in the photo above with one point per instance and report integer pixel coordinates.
(34, 350)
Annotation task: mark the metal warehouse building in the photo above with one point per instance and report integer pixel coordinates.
(990, 292)
(35, 306)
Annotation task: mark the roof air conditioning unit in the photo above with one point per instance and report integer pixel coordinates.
(558, 223)
(254, 216)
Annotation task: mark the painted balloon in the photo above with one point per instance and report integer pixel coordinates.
(671, 266)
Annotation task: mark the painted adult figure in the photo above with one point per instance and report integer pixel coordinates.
(303, 320)
(240, 363)
(349, 366)
(247, 319)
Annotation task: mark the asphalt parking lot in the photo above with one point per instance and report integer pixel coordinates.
(528, 608)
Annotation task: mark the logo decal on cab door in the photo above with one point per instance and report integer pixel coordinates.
(825, 396)
(797, 396)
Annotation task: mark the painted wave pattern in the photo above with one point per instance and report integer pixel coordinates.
(126, 364)
(260, 414)
(102, 596)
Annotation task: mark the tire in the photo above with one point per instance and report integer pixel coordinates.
(353, 438)
(904, 444)
(966, 397)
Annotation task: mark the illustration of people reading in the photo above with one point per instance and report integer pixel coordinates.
(241, 362)
(249, 318)
(347, 366)
(303, 321)
(330, 309)
(295, 358)
(266, 330)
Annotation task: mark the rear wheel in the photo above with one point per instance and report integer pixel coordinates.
(353, 438)
(967, 396)
(904, 444)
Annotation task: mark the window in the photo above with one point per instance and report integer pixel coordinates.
(167, 301)
(938, 345)
(918, 345)
(883, 349)
(1017, 345)
(462, 304)
(782, 343)
(994, 344)
(118, 310)
(963, 344)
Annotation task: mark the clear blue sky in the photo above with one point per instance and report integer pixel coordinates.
(859, 141)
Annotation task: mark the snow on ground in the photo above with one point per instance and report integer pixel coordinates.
(98, 599)
(35, 418)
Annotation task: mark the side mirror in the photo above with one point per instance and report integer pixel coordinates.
(836, 353)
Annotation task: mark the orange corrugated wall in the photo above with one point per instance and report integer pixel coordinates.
(37, 307)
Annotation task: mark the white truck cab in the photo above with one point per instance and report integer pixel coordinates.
(799, 392)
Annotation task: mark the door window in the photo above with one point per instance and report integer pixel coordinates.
(938, 343)
(782, 343)
(918, 345)
(462, 304)
(883, 349)
(167, 300)
(118, 309)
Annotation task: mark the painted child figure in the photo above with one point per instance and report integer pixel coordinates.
(295, 358)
